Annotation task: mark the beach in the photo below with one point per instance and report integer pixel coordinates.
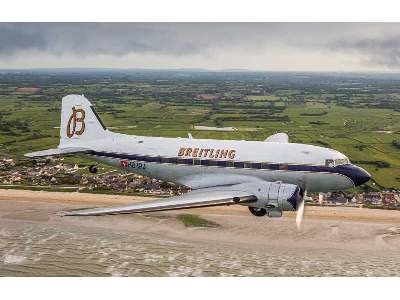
(36, 240)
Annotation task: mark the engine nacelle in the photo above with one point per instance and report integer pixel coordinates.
(278, 196)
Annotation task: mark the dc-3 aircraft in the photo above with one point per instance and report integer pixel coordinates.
(269, 177)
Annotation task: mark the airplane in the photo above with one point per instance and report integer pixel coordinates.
(268, 177)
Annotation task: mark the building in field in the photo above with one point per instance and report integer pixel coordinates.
(390, 198)
(374, 198)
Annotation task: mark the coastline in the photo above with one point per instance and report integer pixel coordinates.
(36, 241)
(78, 199)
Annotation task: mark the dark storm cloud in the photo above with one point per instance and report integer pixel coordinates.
(121, 38)
(372, 44)
(167, 38)
(375, 51)
(18, 37)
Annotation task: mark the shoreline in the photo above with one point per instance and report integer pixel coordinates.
(34, 238)
(78, 199)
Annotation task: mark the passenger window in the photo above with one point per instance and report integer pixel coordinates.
(264, 166)
(221, 163)
(230, 163)
(283, 166)
(247, 165)
(197, 162)
(239, 164)
(181, 161)
(212, 163)
(164, 160)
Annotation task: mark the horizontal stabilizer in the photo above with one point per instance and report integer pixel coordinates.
(57, 151)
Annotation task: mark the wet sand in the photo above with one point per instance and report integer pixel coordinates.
(335, 241)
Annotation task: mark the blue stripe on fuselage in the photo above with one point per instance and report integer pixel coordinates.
(356, 174)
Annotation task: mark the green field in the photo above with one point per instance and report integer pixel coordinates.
(360, 125)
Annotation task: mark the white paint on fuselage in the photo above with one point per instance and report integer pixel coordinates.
(252, 151)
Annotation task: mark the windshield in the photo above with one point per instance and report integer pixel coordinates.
(336, 162)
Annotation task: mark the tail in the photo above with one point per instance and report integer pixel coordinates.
(80, 126)
(79, 122)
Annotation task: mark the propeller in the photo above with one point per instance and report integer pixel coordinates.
(300, 211)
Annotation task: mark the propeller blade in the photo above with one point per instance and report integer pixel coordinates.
(300, 215)
(300, 212)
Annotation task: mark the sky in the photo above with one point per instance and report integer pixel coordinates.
(253, 46)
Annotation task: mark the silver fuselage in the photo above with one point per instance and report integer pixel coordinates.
(163, 158)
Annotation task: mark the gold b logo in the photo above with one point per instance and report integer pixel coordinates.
(77, 116)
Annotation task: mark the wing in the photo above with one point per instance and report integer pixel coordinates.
(278, 138)
(194, 199)
(204, 181)
(57, 151)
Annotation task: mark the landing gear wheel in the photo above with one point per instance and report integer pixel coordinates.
(258, 212)
(93, 169)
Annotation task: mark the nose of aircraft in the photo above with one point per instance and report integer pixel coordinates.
(355, 173)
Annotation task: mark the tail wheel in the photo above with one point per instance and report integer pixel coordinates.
(258, 212)
(93, 169)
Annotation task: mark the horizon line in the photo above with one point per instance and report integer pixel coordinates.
(245, 70)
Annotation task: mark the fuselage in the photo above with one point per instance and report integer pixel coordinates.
(182, 160)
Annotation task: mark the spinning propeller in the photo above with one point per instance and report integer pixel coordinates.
(300, 212)
(301, 205)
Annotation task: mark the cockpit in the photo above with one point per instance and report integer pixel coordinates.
(336, 162)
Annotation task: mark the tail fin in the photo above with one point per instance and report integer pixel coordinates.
(79, 122)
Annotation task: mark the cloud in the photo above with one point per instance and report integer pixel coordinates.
(375, 52)
(18, 37)
(166, 38)
(222, 45)
(121, 38)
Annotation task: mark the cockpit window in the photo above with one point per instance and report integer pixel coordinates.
(336, 162)
(342, 161)
(329, 163)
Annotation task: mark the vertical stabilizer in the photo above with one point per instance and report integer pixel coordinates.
(79, 122)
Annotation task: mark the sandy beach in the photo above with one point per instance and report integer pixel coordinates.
(335, 241)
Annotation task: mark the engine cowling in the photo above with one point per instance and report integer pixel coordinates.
(277, 195)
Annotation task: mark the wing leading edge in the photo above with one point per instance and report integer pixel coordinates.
(194, 199)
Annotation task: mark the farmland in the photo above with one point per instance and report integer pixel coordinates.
(357, 114)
